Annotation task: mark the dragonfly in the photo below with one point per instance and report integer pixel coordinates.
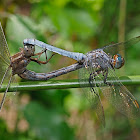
(16, 64)
(100, 64)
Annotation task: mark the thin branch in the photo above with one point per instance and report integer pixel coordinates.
(62, 84)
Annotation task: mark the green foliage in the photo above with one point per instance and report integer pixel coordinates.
(74, 25)
(47, 124)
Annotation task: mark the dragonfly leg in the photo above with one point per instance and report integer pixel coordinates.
(91, 84)
(40, 53)
(93, 75)
(97, 103)
(41, 62)
(105, 74)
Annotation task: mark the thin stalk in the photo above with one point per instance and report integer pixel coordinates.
(62, 84)
(121, 27)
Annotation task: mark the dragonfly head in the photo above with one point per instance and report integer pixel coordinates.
(29, 50)
(118, 61)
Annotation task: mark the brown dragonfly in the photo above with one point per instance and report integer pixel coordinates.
(16, 64)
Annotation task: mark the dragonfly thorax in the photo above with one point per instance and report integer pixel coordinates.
(98, 58)
(118, 61)
(18, 63)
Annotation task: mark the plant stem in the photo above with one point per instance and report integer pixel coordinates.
(62, 84)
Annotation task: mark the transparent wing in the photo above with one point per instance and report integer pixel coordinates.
(10, 95)
(5, 70)
(4, 50)
(118, 94)
(114, 48)
(4, 54)
(13, 96)
(91, 91)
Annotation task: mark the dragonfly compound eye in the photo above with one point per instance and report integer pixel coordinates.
(118, 61)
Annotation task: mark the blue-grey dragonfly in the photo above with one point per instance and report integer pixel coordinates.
(100, 65)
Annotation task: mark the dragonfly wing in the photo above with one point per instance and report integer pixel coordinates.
(115, 48)
(119, 96)
(12, 97)
(117, 93)
(4, 50)
(91, 93)
(4, 54)
(5, 70)
(8, 78)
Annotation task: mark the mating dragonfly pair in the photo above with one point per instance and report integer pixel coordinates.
(97, 65)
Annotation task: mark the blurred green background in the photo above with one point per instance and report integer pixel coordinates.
(74, 25)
